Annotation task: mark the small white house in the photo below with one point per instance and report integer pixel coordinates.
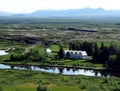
(47, 51)
(2, 53)
(73, 54)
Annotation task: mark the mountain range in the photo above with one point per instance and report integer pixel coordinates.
(85, 12)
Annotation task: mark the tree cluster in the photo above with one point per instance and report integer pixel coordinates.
(101, 54)
(83, 46)
(32, 55)
(108, 55)
(61, 53)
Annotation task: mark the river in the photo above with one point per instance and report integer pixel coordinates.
(64, 71)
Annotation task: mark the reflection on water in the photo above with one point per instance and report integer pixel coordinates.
(60, 70)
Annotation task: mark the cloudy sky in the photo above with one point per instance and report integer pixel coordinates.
(27, 6)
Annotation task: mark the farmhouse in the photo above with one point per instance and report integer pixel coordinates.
(73, 54)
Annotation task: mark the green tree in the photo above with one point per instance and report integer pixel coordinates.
(70, 46)
(113, 49)
(16, 57)
(88, 47)
(102, 46)
(11, 57)
(103, 56)
(73, 46)
(61, 53)
(117, 62)
(96, 52)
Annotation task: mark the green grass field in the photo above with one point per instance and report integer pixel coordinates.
(25, 80)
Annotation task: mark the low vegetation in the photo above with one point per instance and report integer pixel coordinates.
(20, 80)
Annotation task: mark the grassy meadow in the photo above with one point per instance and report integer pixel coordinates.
(21, 80)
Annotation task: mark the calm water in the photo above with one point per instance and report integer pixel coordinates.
(65, 71)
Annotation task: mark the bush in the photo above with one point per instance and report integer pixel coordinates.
(93, 88)
(116, 89)
(106, 81)
(83, 86)
(41, 88)
(0, 89)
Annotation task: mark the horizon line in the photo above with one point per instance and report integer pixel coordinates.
(57, 10)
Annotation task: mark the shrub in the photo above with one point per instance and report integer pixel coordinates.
(0, 89)
(106, 81)
(41, 88)
(82, 86)
(93, 88)
(116, 89)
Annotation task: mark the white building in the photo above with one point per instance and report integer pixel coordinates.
(47, 51)
(73, 54)
(2, 53)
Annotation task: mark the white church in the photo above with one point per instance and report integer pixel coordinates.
(73, 54)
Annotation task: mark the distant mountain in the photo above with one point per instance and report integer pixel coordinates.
(2, 13)
(85, 12)
(19, 15)
(70, 12)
